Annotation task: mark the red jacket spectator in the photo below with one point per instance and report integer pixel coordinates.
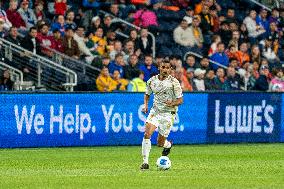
(45, 40)
(15, 17)
(60, 7)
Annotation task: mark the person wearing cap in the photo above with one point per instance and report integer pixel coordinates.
(58, 40)
(262, 83)
(4, 19)
(95, 23)
(15, 17)
(27, 14)
(183, 34)
(199, 79)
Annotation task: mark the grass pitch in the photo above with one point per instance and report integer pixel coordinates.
(193, 166)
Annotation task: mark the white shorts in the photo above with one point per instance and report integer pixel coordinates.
(162, 121)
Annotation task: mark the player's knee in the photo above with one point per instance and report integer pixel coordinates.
(160, 143)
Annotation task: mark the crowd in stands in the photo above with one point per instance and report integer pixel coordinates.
(241, 44)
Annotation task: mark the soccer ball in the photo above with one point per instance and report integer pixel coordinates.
(163, 163)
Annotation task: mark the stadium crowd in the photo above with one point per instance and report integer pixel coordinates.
(245, 40)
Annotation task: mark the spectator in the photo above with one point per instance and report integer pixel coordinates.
(185, 85)
(59, 24)
(209, 81)
(38, 11)
(244, 36)
(262, 83)
(117, 49)
(117, 64)
(206, 24)
(132, 69)
(220, 56)
(27, 14)
(107, 24)
(182, 34)
(45, 40)
(274, 16)
(262, 20)
(255, 54)
(70, 46)
(70, 16)
(129, 49)
(121, 84)
(58, 41)
(213, 48)
(137, 84)
(225, 33)
(233, 81)
(196, 33)
(31, 43)
(100, 42)
(268, 52)
(13, 36)
(219, 79)
(231, 17)
(145, 42)
(145, 18)
(148, 68)
(235, 40)
(251, 75)
(190, 62)
(79, 37)
(95, 24)
(6, 84)
(232, 52)
(242, 54)
(254, 31)
(3, 16)
(216, 22)
(133, 36)
(199, 79)
(114, 10)
(277, 83)
(60, 7)
(104, 82)
(15, 16)
(204, 64)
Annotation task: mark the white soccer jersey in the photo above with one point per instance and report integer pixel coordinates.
(167, 89)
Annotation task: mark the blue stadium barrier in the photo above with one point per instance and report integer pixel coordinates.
(101, 119)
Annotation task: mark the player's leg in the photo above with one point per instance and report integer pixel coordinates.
(146, 144)
(163, 142)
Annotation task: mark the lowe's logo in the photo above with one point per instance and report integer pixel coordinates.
(231, 119)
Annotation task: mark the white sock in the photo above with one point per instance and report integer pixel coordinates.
(167, 144)
(146, 147)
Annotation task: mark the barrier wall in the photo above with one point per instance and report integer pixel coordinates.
(43, 120)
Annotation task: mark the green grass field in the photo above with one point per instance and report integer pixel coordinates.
(193, 166)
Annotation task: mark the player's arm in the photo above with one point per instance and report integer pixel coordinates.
(147, 96)
(146, 102)
(176, 102)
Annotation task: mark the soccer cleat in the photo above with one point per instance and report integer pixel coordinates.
(144, 166)
(167, 151)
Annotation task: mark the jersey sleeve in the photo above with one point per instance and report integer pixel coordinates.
(148, 87)
(177, 89)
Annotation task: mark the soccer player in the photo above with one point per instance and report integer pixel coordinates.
(167, 97)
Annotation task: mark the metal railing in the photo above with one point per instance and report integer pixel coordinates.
(261, 5)
(213, 62)
(136, 27)
(16, 75)
(84, 70)
(44, 72)
(200, 56)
